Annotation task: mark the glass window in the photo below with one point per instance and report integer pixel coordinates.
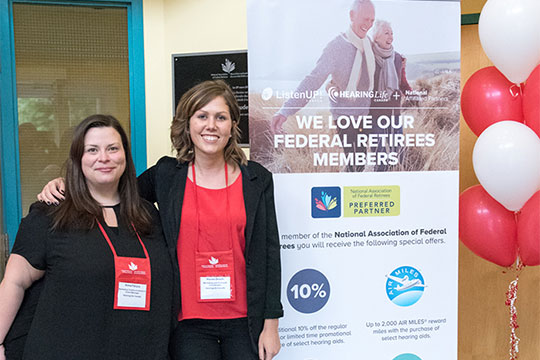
(71, 62)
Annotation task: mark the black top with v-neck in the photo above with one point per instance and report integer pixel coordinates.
(74, 318)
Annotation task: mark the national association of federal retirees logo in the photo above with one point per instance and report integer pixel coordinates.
(326, 202)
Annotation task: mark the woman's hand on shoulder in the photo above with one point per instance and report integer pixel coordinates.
(53, 192)
(269, 343)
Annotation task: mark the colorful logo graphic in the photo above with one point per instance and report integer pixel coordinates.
(326, 202)
(405, 286)
(407, 357)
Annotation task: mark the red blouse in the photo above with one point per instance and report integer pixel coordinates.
(213, 236)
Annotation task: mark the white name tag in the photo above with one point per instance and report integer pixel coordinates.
(131, 295)
(215, 287)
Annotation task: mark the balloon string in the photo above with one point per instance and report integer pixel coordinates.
(511, 298)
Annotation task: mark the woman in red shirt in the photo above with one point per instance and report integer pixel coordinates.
(228, 249)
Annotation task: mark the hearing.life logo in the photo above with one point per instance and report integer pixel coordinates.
(333, 94)
(326, 202)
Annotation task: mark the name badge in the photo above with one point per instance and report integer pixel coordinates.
(132, 280)
(131, 295)
(215, 276)
(132, 283)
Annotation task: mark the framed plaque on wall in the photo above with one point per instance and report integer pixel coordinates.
(230, 66)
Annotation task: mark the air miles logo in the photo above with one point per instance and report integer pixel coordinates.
(213, 260)
(132, 266)
(407, 357)
(326, 202)
(405, 286)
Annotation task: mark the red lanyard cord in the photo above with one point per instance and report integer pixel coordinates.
(111, 245)
(228, 206)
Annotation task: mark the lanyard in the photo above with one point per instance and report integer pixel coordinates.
(197, 206)
(132, 278)
(111, 245)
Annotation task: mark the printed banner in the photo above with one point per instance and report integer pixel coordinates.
(354, 106)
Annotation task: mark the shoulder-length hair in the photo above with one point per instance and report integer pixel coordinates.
(79, 209)
(193, 100)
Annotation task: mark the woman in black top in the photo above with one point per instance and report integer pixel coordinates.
(108, 288)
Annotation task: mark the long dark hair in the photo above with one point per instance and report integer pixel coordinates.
(193, 100)
(80, 210)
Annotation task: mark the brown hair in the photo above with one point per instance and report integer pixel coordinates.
(80, 209)
(194, 99)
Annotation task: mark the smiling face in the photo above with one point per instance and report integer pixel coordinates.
(362, 19)
(104, 160)
(210, 128)
(385, 37)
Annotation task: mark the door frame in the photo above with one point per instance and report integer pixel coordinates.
(9, 140)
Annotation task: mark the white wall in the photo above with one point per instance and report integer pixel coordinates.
(182, 26)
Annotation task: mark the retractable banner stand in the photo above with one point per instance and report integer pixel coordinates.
(354, 106)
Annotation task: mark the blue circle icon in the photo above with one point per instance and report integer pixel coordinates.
(308, 291)
(405, 286)
(407, 357)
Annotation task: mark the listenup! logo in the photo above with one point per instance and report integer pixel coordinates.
(326, 202)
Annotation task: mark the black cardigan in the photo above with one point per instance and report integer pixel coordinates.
(165, 183)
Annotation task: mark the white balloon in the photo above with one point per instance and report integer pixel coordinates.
(506, 160)
(510, 35)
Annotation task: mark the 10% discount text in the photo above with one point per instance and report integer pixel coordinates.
(308, 291)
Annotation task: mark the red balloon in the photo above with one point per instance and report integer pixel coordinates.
(486, 227)
(488, 97)
(531, 101)
(528, 231)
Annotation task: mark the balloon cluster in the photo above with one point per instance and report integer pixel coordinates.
(500, 218)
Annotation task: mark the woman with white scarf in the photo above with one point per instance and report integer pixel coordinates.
(389, 78)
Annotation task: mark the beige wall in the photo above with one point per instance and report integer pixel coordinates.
(182, 26)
